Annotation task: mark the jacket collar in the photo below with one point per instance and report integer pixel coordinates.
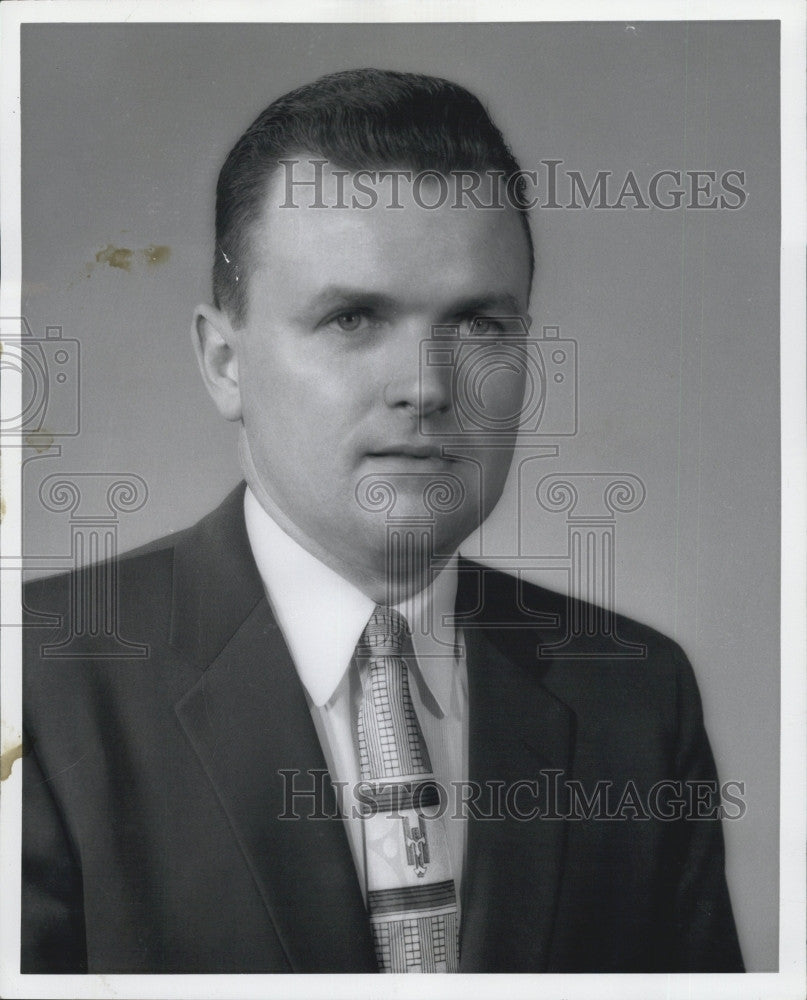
(248, 721)
(303, 589)
(216, 582)
(521, 738)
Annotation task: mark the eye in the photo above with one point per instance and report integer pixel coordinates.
(484, 326)
(349, 321)
(357, 320)
(498, 326)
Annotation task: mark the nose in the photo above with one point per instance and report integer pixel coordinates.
(417, 386)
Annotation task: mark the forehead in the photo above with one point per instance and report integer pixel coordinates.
(320, 225)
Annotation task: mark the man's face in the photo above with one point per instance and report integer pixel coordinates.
(334, 393)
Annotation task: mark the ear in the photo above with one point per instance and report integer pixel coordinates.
(216, 345)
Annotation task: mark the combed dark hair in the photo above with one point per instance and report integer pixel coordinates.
(363, 119)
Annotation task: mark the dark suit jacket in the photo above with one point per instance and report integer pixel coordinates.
(151, 836)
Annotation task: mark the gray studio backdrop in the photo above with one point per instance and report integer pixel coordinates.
(674, 312)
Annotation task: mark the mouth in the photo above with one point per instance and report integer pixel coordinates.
(414, 452)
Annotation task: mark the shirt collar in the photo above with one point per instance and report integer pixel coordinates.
(322, 615)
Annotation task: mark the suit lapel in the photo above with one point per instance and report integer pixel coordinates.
(248, 720)
(518, 732)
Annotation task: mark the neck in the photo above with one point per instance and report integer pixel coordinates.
(391, 584)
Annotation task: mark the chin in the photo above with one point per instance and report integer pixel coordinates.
(425, 539)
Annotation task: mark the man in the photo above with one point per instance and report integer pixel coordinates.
(347, 749)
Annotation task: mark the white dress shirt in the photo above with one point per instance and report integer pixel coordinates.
(322, 617)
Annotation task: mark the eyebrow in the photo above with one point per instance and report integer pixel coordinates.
(337, 295)
(486, 303)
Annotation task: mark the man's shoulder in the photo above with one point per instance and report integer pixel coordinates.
(570, 644)
(110, 633)
(147, 568)
(184, 594)
(500, 598)
(148, 565)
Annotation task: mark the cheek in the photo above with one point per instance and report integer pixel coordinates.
(273, 385)
(305, 421)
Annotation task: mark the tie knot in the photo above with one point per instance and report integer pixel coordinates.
(384, 633)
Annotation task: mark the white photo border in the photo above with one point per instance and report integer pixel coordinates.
(789, 980)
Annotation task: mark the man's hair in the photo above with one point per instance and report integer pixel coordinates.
(363, 119)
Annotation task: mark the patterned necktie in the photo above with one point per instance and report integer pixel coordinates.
(411, 896)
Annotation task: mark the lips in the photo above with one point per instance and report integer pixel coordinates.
(413, 451)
